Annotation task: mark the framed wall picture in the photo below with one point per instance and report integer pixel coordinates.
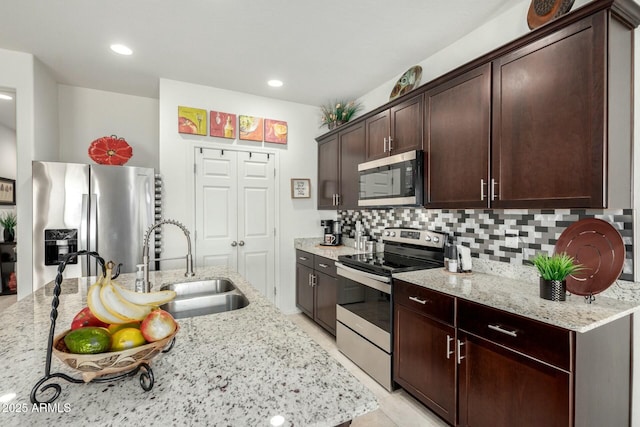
(275, 131)
(7, 191)
(251, 128)
(300, 188)
(222, 125)
(192, 120)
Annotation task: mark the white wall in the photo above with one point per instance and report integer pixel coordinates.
(46, 133)
(297, 159)
(88, 114)
(8, 148)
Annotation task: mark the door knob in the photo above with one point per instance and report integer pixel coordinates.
(234, 243)
(241, 243)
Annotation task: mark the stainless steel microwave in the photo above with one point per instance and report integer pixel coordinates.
(392, 181)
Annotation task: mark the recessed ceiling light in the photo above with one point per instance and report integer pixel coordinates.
(275, 83)
(121, 49)
(7, 97)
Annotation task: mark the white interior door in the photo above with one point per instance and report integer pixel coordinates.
(216, 208)
(235, 214)
(256, 220)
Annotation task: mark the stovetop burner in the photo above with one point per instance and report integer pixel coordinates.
(405, 250)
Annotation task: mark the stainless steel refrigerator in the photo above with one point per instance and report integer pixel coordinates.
(99, 208)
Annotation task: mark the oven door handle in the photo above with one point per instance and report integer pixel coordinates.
(379, 278)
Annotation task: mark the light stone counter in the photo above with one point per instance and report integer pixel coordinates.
(312, 245)
(523, 298)
(239, 368)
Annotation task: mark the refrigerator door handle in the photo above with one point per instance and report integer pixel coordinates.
(93, 233)
(83, 233)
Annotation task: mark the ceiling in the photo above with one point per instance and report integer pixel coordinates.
(322, 50)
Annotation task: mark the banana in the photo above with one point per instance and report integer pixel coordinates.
(153, 299)
(120, 307)
(95, 304)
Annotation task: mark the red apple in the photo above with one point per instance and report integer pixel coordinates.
(157, 325)
(86, 318)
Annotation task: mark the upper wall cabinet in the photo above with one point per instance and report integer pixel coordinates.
(562, 119)
(395, 130)
(338, 159)
(457, 141)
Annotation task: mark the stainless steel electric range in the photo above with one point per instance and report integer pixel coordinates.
(365, 299)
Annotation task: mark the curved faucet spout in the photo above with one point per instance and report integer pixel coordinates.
(145, 250)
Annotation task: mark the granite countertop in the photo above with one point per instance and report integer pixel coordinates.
(312, 245)
(238, 368)
(523, 298)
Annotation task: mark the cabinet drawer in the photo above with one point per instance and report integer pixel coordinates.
(430, 303)
(325, 265)
(304, 258)
(541, 341)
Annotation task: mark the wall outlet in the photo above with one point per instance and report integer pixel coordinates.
(511, 238)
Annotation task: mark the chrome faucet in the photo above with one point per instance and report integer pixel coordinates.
(145, 251)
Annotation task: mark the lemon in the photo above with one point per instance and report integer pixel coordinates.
(126, 338)
(115, 327)
(88, 340)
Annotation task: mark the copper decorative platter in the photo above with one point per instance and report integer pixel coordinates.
(598, 246)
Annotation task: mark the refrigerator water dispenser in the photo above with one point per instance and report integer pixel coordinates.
(58, 243)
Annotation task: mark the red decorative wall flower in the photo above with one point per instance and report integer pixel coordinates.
(110, 150)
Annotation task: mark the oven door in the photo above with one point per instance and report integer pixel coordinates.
(364, 300)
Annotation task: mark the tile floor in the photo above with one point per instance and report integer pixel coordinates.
(396, 409)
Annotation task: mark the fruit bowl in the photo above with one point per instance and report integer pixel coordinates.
(113, 362)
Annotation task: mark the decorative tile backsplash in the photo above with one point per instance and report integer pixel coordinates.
(484, 230)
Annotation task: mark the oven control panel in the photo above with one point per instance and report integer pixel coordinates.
(415, 237)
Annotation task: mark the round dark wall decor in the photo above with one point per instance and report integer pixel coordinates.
(543, 11)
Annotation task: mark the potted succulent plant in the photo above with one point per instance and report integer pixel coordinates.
(553, 273)
(8, 221)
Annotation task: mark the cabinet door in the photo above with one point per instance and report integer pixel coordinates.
(328, 187)
(326, 297)
(457, 139)
(502, 388)
(352, 146)
(424, 360)
(378, 131)
(548, 120)
(304, 290)
(406, 126)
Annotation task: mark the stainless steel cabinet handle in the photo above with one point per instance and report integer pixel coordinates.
(449, 351)
(418, 300)
(494, 193)
(303, 258)
(241, 243)
(323, 265)
(314, 280)
(481, 188)
(460, 356)
(498, 328)
(309, 283)
(384, 145)
(337, 199)
(234, 243)
(390, 141)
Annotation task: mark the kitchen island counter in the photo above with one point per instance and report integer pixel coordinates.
(239, 368)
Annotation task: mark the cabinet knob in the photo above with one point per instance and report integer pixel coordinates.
(241, 243)
(234, 243)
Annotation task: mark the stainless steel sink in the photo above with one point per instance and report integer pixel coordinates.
(200, 287)
(202, 297)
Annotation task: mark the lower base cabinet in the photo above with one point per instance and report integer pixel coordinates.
(478, 366)
(317, 288)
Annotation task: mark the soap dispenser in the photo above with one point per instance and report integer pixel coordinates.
(139, 286)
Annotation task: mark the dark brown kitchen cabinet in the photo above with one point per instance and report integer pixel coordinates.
(424, 342)
(396, 130)
(512, 367)
(475, 365)
(328, 186)
(338, 159)
(457, 139)
(561, 113)
(316, 288)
